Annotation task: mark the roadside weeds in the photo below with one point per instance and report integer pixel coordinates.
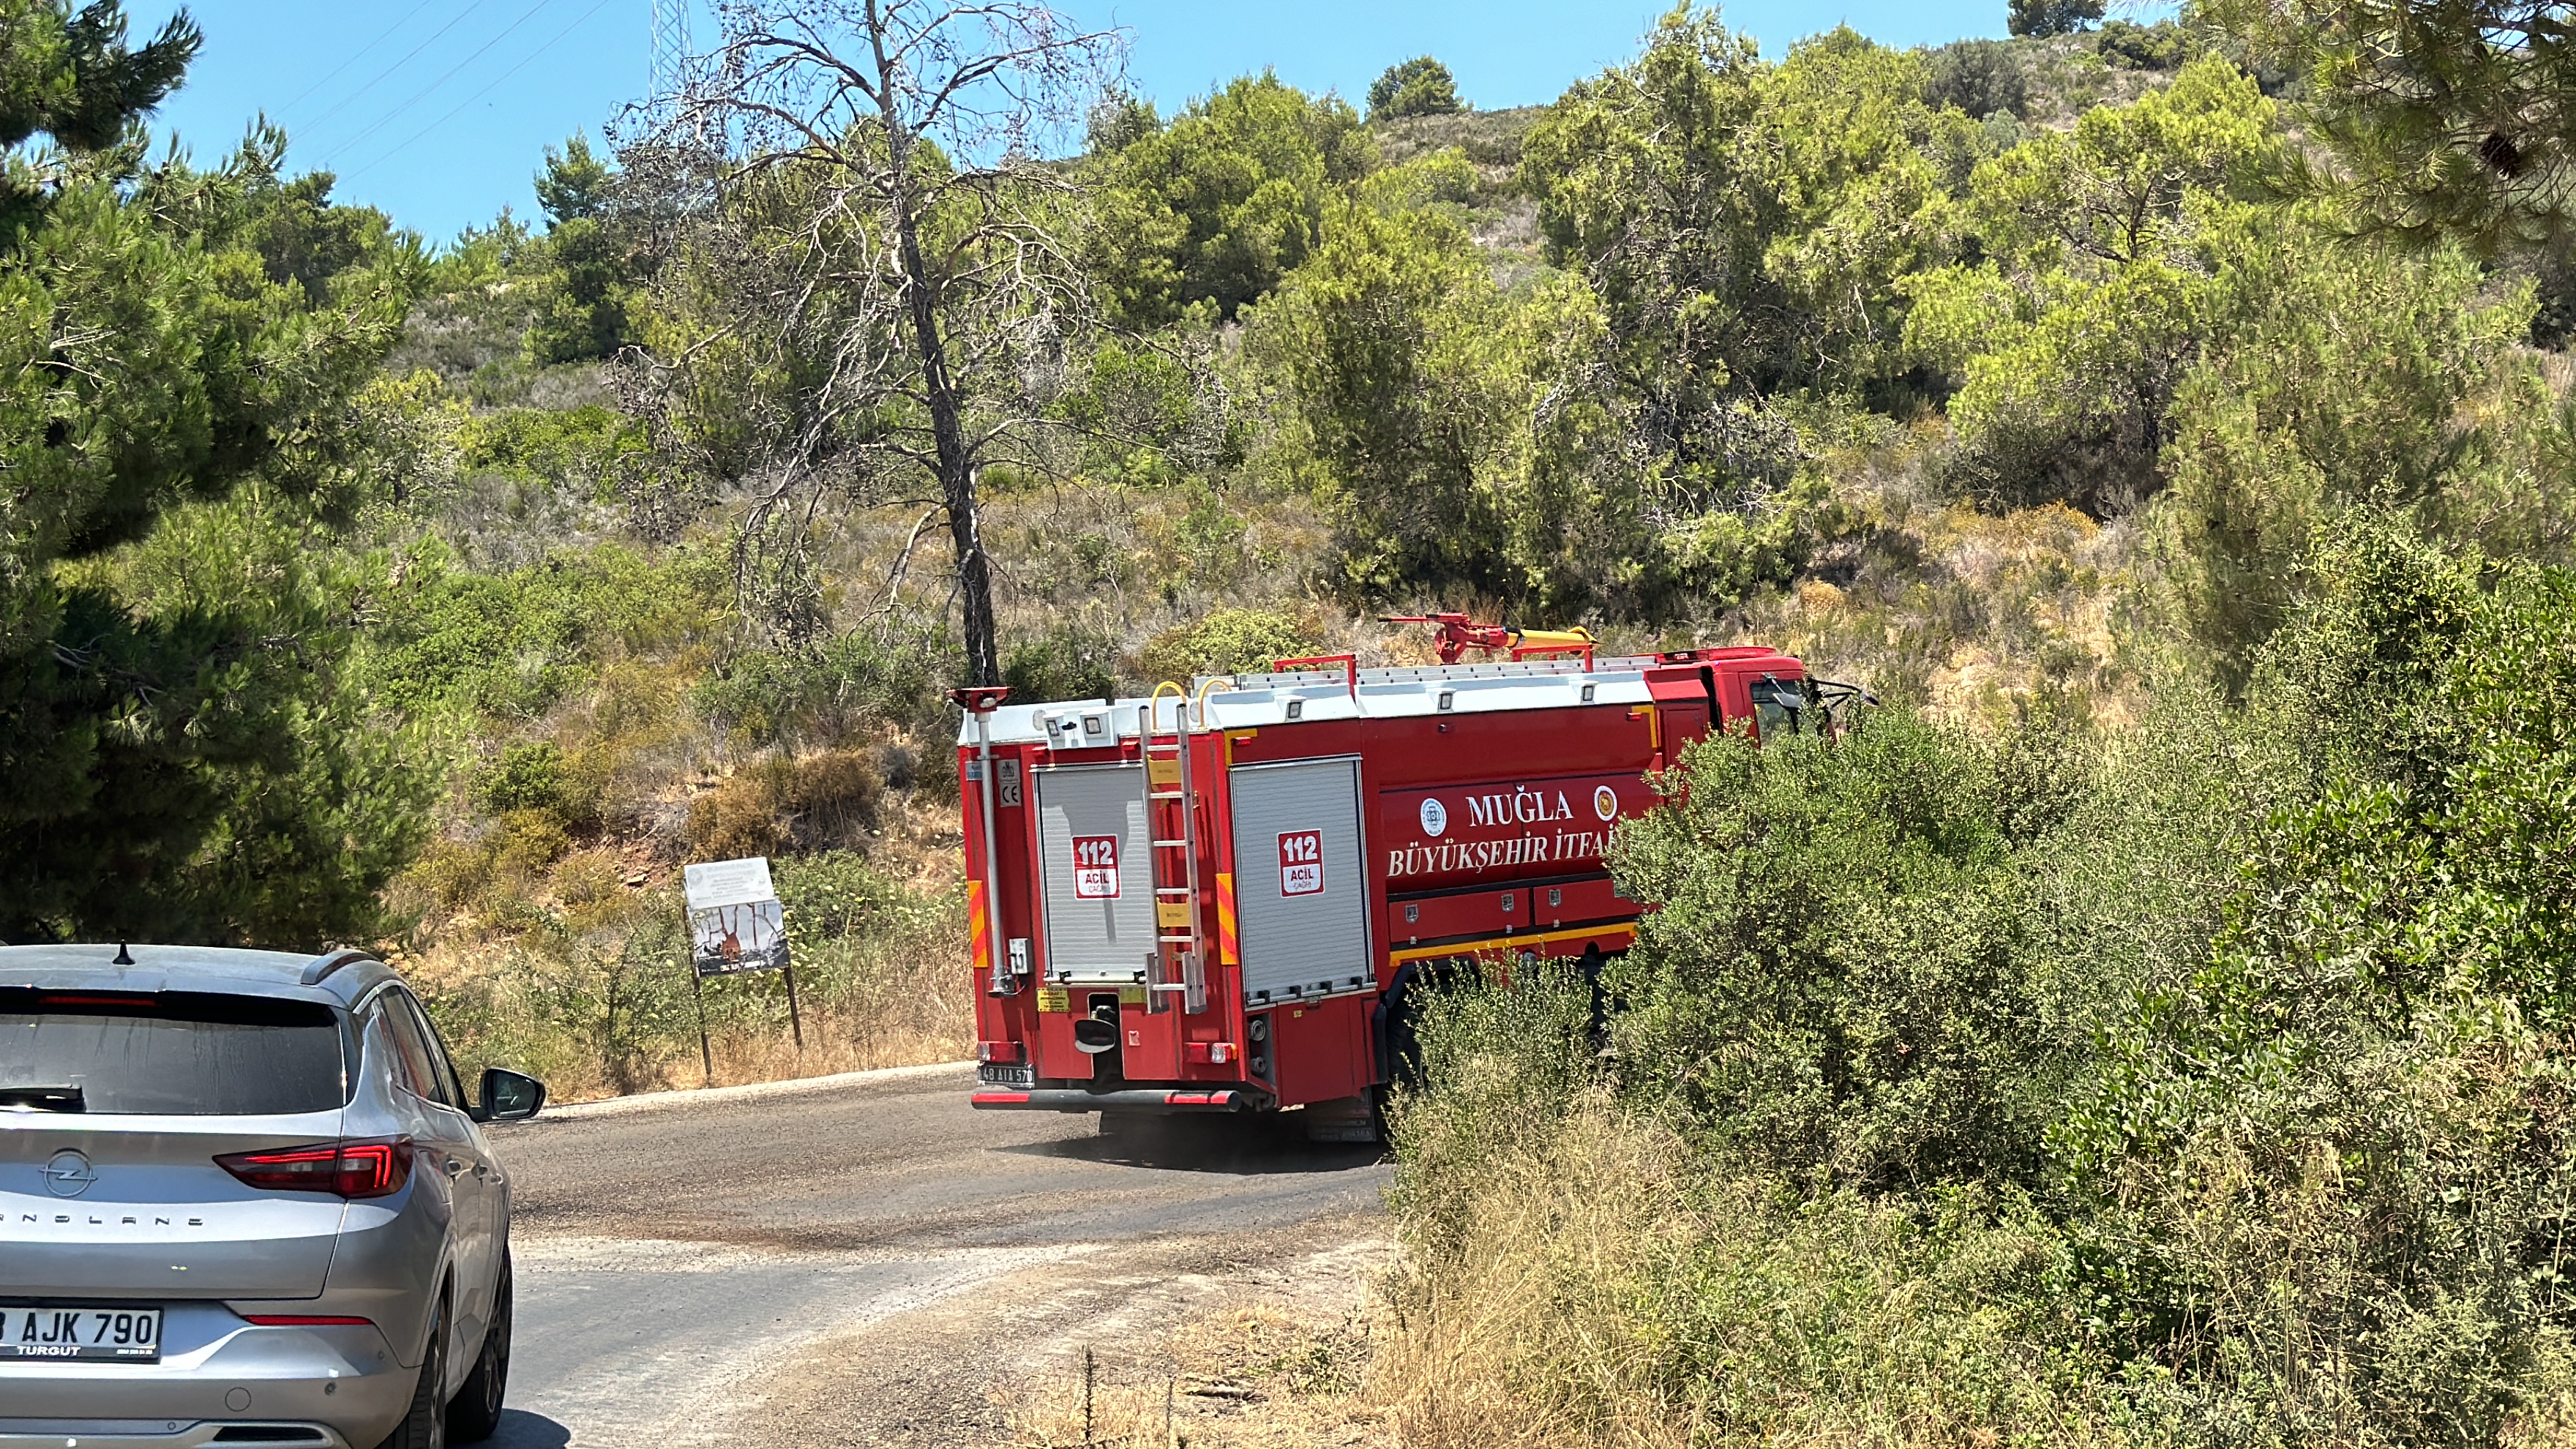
(1245, 1377)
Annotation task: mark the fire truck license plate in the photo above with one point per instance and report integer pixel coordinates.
(116, 1334)
(1095, 867)
(1301, 863)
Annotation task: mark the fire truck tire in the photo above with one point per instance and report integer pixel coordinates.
(1399, 1024)
(1402, 1024)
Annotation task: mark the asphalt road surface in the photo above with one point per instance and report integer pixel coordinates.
(858, 1263)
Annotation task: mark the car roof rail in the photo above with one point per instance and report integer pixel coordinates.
(320, 967)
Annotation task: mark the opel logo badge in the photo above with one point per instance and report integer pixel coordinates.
(69, 1174)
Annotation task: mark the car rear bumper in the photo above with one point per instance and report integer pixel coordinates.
(1133, 1099)
(147, 1434)
(216, 1372)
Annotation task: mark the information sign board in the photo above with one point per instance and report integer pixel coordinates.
(735, 921)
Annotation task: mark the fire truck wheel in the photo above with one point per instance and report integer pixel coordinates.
(1404, 1012)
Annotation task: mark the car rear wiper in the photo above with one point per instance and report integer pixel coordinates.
(42, 1099)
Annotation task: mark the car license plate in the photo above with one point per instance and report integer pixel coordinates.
(997, 1074)
(118, 1334)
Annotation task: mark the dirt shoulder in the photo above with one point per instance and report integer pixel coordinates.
(1221, 1330)
(874, 1262)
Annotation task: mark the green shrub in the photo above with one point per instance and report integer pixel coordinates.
(1570, 1265)
(1980, 77)
(1229, 641)
(587, 1015)
(2199, 1086)
(2161, 46)
(836, 894)
(1855, 963)
(777, 804)
(2353, 1115)
(585, 447)
(525, 842)
(528, 776)
(1068, 661)
(513, 645)
(846, 686)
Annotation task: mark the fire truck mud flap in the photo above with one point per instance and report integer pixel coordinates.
(1134, 1099)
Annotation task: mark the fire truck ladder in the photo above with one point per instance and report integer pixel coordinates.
(1171, 821)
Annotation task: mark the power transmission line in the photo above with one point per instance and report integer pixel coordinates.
(356, 55)
(496, 84)
(379, 78)
(423, 93)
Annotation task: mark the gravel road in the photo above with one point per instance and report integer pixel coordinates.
(859, 1262)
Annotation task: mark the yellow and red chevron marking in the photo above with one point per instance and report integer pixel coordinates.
(1229, 951)
(1617, 935)
(979, 927)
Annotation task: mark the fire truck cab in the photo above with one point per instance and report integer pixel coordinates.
(1216, 899)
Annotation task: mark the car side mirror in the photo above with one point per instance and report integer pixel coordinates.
(509, 1096)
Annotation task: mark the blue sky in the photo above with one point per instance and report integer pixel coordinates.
(439, 110)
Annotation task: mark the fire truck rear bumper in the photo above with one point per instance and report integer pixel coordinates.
(1135, 1099)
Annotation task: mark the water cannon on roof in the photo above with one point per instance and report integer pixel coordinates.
(1459, 633)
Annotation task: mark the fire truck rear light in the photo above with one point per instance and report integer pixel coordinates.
(1001, 1051)
(1214, 1053)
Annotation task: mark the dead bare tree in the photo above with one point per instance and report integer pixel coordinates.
(876, 263)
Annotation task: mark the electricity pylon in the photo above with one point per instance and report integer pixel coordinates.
(670, 48)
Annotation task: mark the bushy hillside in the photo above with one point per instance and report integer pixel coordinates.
(1998, 377)
(2146, 1028)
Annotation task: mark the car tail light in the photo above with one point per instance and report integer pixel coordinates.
(1001, 1051)
(306, 1320)
(375, 1167)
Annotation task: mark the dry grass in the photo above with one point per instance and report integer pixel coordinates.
(1966, 612)
(1537, 1342)
(1573, 1277)
(911, 1013)
(614, 1013)
(1245, 1378)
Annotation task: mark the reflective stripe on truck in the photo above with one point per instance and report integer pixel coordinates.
(1075, 1099)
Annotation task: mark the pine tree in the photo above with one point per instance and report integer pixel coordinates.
(176, 759)
(2456, 119)
(2052, 17)
(1417, 87)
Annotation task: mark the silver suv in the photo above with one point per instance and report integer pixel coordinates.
(243, 1200)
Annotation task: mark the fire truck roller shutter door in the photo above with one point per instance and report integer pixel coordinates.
(1301, 894)
(1099, 870)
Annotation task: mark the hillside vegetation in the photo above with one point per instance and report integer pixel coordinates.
(2149, 1027)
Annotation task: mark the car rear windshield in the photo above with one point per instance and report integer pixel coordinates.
(177, 1053)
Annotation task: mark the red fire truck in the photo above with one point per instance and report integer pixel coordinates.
(1221, 899)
